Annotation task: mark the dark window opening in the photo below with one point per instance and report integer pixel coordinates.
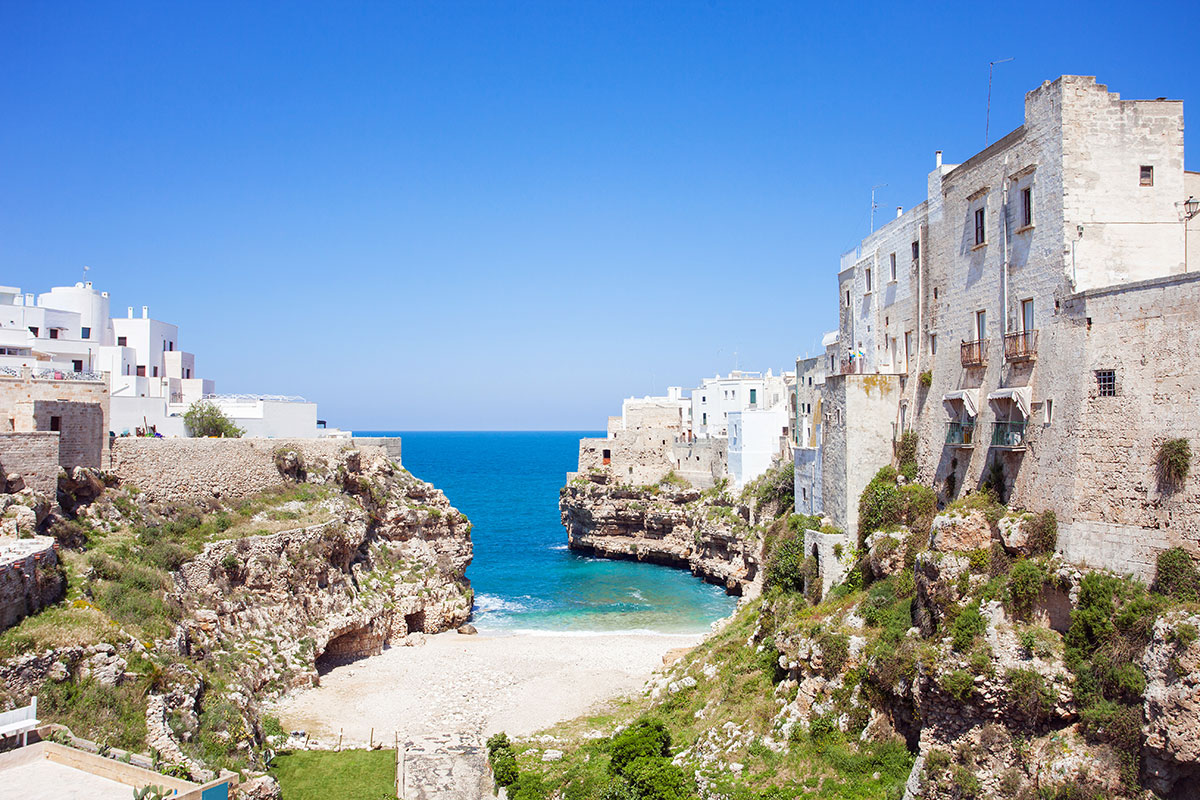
(980, 227)
(935, 293)
(77, 365)
(33, 330)
(1027, 206)
(415, 622)
(85, 333)
(1106, 382)
(607, 456)
(54, 333)
(141, 371)
(156, 372)
(122, 341)
(1146, 177)
(56, 423)
(916, 250)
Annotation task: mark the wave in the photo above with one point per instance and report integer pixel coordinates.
(492, 603)
(551, 632)
(559, 547)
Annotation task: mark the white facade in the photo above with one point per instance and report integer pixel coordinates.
(756, 438)
(716, 398)
(151, 381)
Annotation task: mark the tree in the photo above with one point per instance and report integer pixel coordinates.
(205, 419)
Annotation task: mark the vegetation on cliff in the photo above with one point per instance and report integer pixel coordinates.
(180, 619)
(958, 655)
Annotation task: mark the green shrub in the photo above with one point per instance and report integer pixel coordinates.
(965, 782)
(959, 684)
(502, 759)
(1119, 725)
(967, 626)
(1183, 635)
(903, 584)
(822, 729)
(1042, 532)
(880, 505)
(1025, 587)
(812, 580)
(920, 507)
(785, 565)
(646, 738)
(835, 649)
(657, 779)
(1028, 696)
(1176, 576)
(926, 378)
(206, 419)
(906, 455)
(777, 486)
(1174, 463)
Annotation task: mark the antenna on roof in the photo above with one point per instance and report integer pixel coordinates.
(873, 205)
(85, 272)
(987, 123)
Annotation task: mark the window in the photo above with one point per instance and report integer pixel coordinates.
(916, 250)
(1147, 175)
(907, 347)
(935, 293)
(704, 419)
(33, 330)
(933, 344)
(141, 371)
(1027, 315)
(85, 333)
(54, 333)
(1027, 206)
(753, 396)
(868, 279)
(810, 380)
(122, 341)
(56, 423)
(703, 398)
(171, 346)
(980, 227)
(1049, 410)
(981, 325)
(606, 456)
(893, 266)
(187, 373)
(1106, 382)
(77, 365)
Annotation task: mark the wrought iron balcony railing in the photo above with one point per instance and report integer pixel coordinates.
(1008, 434)
(974, 354)
(961, 434)
(1021, 346)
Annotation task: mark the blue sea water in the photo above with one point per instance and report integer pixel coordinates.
(523, 575)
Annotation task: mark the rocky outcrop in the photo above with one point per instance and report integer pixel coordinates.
(679, 527)
(961, 531)
(1172, 702)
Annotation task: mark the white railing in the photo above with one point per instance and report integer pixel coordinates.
(65, 375)
(254, 398)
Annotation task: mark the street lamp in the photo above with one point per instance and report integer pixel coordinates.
(1190, 208)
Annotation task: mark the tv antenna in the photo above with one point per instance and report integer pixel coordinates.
(873, 205)
(85, 272)
(987, 123)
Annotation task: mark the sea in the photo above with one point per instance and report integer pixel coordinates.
(525, 579)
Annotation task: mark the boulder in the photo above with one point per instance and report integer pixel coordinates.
(959, 531)
(263, 787)
(1014, 535)
(468, 629)
(885, 552)
(14, 482)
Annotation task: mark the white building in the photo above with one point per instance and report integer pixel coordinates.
(717, 397)
(757, 437)
(151, 381)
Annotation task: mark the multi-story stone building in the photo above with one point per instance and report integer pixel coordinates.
(1031, 320)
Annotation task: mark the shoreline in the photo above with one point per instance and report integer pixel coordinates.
(472, 686)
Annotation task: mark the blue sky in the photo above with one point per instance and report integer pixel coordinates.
(494, 215)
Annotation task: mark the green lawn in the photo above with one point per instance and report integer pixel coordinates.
(348, 775)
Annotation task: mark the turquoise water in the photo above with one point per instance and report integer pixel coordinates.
(523, 575)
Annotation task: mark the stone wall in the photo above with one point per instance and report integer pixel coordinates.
(80, 427)
(30, 578)
(27, 389)
(193, 469)
(701, 462)
(859, 428)
(33, 456)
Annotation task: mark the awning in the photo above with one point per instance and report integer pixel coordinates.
(968, 397)
(1021, 395)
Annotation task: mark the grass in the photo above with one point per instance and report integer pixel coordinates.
(347, 775)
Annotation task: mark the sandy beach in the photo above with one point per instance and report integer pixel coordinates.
(477, 685)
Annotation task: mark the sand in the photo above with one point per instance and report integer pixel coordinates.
(477, 685)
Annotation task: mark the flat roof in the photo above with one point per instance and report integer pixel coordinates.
(45, 780)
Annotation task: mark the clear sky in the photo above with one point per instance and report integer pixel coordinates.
(500, 215)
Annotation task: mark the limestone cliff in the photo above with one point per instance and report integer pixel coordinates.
(197, 611)
(706, 532)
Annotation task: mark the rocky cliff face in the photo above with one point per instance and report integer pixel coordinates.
(705, 532)
(247, 605)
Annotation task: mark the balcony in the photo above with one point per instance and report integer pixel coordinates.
(974, 354)
(850, 366)
(1020, 346)
(1008, 435)
(961, 434)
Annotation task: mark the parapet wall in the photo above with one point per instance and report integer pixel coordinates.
(34, 456)
(194, 469)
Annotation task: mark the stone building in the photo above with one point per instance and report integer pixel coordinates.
(1032, 319)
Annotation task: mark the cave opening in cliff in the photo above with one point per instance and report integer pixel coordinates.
(349, 646)
(415, 622)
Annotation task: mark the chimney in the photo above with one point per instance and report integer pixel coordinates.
(88, 284)
(145, 312)
(131, 312)
(899, 211)
(938, 157)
